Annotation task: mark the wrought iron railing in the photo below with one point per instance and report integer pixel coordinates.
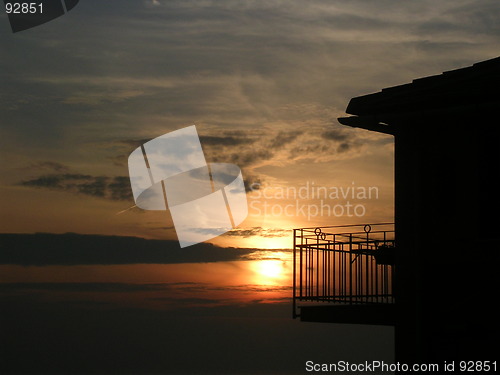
(343, 264)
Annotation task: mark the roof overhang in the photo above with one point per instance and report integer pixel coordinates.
(368, 123)
(468, 90)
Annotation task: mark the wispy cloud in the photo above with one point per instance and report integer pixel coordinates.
(258, 231)
(113, 188)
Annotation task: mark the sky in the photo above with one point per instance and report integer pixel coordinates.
(264, 82)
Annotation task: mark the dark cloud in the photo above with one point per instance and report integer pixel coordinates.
(211, 145)
(245, 158)
(95, 186)
(252, 182)
(311, 150)
(313, 143)
(114, 188)
(225, 140)
(250, 157)
(335, 135)
(283, 138)
(258, 231)
(335, 142)
(71, 249)
(119, 188)
(242, 148)
(343, 147)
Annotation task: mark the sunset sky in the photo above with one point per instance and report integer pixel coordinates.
(263, 81)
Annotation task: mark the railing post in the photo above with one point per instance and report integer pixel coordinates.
(301, 263)
(333, 268)
(294, 303)
(350, 267)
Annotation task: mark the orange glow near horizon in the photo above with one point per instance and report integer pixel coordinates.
(259, 242)
(265, 278)
(255, 242)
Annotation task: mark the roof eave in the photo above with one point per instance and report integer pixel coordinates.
(368, 123)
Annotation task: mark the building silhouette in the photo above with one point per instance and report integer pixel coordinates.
(446, 243)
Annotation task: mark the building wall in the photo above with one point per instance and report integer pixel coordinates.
(446, 219)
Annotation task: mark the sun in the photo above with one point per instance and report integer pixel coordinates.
(270, 268)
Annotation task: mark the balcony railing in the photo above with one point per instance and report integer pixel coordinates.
(350, 264)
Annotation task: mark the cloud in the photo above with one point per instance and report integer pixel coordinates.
(280, 146)
(225, 140)
(49, 165)
(71, 249)
(251, 157)
(258, 231)
(335, 134)
(113, 188)
(252, 182)
(283, 138)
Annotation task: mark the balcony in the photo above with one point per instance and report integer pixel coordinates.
(344, 274)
